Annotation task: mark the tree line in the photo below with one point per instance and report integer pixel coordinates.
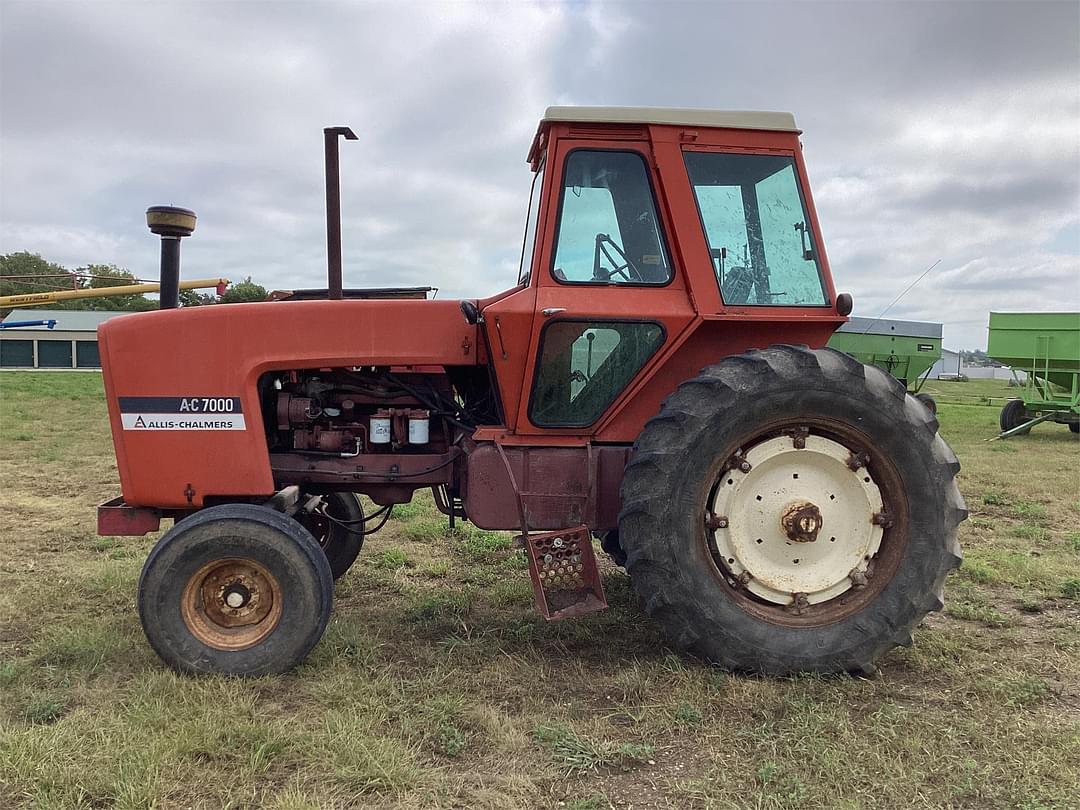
(24, 272)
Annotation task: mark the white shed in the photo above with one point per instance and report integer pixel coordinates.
(71, 343)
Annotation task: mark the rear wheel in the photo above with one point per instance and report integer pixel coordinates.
(235, 589)
(791, 510)
(609, 542)
(1074, 427)
(338, 527)
(1013, 415)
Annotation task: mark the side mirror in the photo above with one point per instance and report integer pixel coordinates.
(844, 303)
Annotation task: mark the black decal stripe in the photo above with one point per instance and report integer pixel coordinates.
(172, 405)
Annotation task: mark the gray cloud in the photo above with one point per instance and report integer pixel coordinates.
(944, 130)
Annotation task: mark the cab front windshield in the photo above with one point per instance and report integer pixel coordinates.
(757, 228)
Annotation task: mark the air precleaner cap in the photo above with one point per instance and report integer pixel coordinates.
(168, 220)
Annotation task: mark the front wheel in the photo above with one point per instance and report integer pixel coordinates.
(235, 589)
(791, 510)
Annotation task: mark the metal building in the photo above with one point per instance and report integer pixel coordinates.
(70, 344)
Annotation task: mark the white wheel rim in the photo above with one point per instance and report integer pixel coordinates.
(783, 474)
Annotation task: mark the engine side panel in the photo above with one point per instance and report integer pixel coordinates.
(182, 384)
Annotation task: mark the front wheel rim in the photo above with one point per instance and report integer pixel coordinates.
(231, 604)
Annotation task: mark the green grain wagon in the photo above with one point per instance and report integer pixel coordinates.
(1045, 346)
(905, 349)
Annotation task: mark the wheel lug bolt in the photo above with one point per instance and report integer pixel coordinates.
(716, 522)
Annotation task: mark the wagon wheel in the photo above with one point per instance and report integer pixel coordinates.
(791, 510)
(1013, 414)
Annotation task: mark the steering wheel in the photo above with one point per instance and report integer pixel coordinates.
(627, 269)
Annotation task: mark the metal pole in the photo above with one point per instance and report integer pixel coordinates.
(333, 208)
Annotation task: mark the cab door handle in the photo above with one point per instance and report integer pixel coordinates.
(549, 311)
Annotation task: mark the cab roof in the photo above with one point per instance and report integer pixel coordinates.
(727, 119)
(670, 116)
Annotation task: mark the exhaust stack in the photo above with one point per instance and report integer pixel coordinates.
(333, 208)
(171, 224)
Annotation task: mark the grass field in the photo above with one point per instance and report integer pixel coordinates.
(436, 684)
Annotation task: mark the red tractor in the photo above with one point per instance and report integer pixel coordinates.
(656, 379)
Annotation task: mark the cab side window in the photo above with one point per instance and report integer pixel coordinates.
(608, 229)
(585, 365)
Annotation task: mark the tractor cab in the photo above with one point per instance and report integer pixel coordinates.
(644, 224)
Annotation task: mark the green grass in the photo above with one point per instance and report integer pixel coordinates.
(575, 752)
(392, 558)
(436, 685)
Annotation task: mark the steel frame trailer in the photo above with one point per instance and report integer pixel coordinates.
(1045, 346)
(907, 350)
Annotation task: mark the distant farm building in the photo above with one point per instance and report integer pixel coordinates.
(948, 364)
(71, 343)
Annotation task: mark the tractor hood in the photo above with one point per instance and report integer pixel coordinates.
(198, 369)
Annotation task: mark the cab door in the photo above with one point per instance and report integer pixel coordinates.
(609, 296)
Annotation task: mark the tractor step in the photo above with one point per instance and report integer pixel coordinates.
(564, 575)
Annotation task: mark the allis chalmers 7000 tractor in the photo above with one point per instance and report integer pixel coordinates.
(655, 379)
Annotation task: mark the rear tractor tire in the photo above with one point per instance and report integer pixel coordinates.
(609, 542)
(237, 590)
(1013, 415)
(791, 510)
(338, 527)
(928, 401)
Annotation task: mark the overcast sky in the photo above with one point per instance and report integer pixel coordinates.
(932, 131)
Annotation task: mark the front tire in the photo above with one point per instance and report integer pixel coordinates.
(766, 585)
(235, 589)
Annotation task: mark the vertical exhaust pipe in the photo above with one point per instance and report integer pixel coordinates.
(333, 208)
(171, 224)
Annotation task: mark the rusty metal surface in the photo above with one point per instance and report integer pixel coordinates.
(231, 604)
(116, 519)
(554, 485)
(418, 469)
(562, 566)
(801, 522)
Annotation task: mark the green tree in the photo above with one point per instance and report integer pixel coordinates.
(194, 298)
(26, 272)
(244, 291)
(109, 275)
